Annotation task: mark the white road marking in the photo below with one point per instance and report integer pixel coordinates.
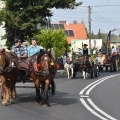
(91, 110)
(99, 110)
(82, 91)
(87, 91)
(84, 96)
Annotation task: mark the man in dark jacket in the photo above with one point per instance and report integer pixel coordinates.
(86, 52)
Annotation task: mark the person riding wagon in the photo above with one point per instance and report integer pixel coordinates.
(86, 52)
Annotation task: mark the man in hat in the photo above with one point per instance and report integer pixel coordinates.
(19, 49)
(33, 48)
(21, 52)
(85, 50)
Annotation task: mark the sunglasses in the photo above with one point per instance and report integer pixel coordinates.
(17, 41)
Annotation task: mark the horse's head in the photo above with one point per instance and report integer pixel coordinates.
(2, 59)
(84, 59)
(84, 62)
(43, 62)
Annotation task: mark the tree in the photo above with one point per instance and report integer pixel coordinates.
(22, 16)
(75, 22)
(99, 34)
(55, 39)
(92, 35)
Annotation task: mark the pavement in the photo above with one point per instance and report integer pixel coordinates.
(61, 73)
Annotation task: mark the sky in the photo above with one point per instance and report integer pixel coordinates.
(105, 15)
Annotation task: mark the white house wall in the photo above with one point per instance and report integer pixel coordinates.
(77, 44)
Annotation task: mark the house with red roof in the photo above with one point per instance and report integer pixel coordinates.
(79, 32)
(73, 31)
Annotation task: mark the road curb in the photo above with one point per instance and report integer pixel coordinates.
(61, 73)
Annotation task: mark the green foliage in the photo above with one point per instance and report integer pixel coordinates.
(55, 39)
(22, 16)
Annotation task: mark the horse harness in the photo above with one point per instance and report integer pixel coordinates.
(35, 65)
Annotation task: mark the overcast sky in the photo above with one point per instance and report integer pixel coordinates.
(105, 15)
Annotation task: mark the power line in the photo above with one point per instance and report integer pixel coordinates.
(78, 14)
(102, 6)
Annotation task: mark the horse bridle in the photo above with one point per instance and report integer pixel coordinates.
(40, 71)
(46, 60)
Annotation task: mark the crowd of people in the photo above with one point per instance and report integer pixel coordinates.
(24, 52)
(85, 51)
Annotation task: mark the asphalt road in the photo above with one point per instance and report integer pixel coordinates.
(68, 104)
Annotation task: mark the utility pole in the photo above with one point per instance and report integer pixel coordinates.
(89, 22)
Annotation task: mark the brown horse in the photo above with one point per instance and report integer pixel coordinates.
(8, 76)
(85, 65)
(42, 71)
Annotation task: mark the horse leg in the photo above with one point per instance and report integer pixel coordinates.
(86, 75)
(9, 87)
(72, 72)
(68, 73)
(12, 93)
(53, 87)
(5, 96)
(37, 85)
(6, 92)
(83, 74)
(2, 80)
(45, 102)
(1, 93)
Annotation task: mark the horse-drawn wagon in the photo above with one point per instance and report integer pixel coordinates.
(82, 64)
(42, 70)
(108, 62)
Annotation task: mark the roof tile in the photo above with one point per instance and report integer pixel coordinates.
(79, 31)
